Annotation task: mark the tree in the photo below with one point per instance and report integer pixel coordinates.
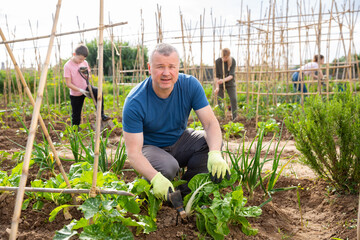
(128, 56)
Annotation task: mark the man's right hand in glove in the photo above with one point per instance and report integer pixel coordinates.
(161, 186)
(86, 93)
(217, 167)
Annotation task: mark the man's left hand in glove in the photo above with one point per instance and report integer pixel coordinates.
(218, 167)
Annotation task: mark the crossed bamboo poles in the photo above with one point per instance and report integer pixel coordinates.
(36, 117)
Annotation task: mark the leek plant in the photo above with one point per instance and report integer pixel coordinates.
(249, 168)
(118, 161)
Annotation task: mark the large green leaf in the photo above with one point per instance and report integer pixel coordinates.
(129, 204)
(90, 207)
(65, 233)
(93, 232)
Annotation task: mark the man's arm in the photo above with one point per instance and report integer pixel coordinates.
(217, 166)
(134, 144)
(211, 126)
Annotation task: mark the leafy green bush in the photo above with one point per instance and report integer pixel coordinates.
(327, 133)
(214, 214)
(233, 129)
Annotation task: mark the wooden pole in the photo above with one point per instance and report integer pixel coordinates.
(248, 76)
(183, 43)
(99, 101)
(63, 34)
(319, 48)
(273, 56)
(113, 68)
(202, 20)
(328, 52)
(300, 71)
(213, 23)
(351, 28)
(67, 191)
(32, 131)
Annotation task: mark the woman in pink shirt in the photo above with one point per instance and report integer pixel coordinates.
(78, 84)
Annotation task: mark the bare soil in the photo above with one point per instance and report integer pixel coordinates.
(324, 214)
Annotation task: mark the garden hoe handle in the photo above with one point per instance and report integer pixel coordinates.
(85, 75)
(176, 200)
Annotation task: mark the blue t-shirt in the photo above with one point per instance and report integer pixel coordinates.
(162, 121)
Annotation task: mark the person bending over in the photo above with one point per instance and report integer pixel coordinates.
(227, 77)
(305, 71)
(78, 83)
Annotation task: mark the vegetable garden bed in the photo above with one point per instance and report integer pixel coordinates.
(324, 213)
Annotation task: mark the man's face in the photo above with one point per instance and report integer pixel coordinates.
(78, 58)
(164, 71)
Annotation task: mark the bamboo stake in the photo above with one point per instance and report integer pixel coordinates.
(67, 191)
(300, 71)
(8, 69)
(248, 61)
(319, 49)
(259, 87)
(183, 43)
(267, 56)
(328, 53)
(113, 66)
(121, 77)
(349, 54)
(55, 89)
(5, 93)
(142, 51)
(58, 40)
(287, 51)
(273, 55)
(213, 23)
(158, 25)
(99, 100)
(63, 34)
(30, 141)
(202, 20)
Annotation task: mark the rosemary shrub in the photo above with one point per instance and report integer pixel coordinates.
(327, 133)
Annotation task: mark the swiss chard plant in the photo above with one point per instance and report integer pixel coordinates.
(111, 214)
(216, 209)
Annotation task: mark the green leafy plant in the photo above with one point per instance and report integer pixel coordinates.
(117, 162)
(249, 168)
(215, 210)
(270, 126)
(196, 125)
(233, 129)
(327, 134)
(110, 214)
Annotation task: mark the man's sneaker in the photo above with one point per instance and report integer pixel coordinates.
(105, 118)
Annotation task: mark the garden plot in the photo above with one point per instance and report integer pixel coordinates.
(324, 213)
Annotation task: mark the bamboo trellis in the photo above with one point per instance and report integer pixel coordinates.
(265, 59)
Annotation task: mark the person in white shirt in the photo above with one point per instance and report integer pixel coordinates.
(308, 69)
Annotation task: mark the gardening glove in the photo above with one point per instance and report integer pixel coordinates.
(161, 186)
(217, 166)
(86, 93)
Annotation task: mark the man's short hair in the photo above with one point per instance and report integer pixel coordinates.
(82, 50)
(164, 49)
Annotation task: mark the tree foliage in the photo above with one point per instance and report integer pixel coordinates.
(129, 55)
